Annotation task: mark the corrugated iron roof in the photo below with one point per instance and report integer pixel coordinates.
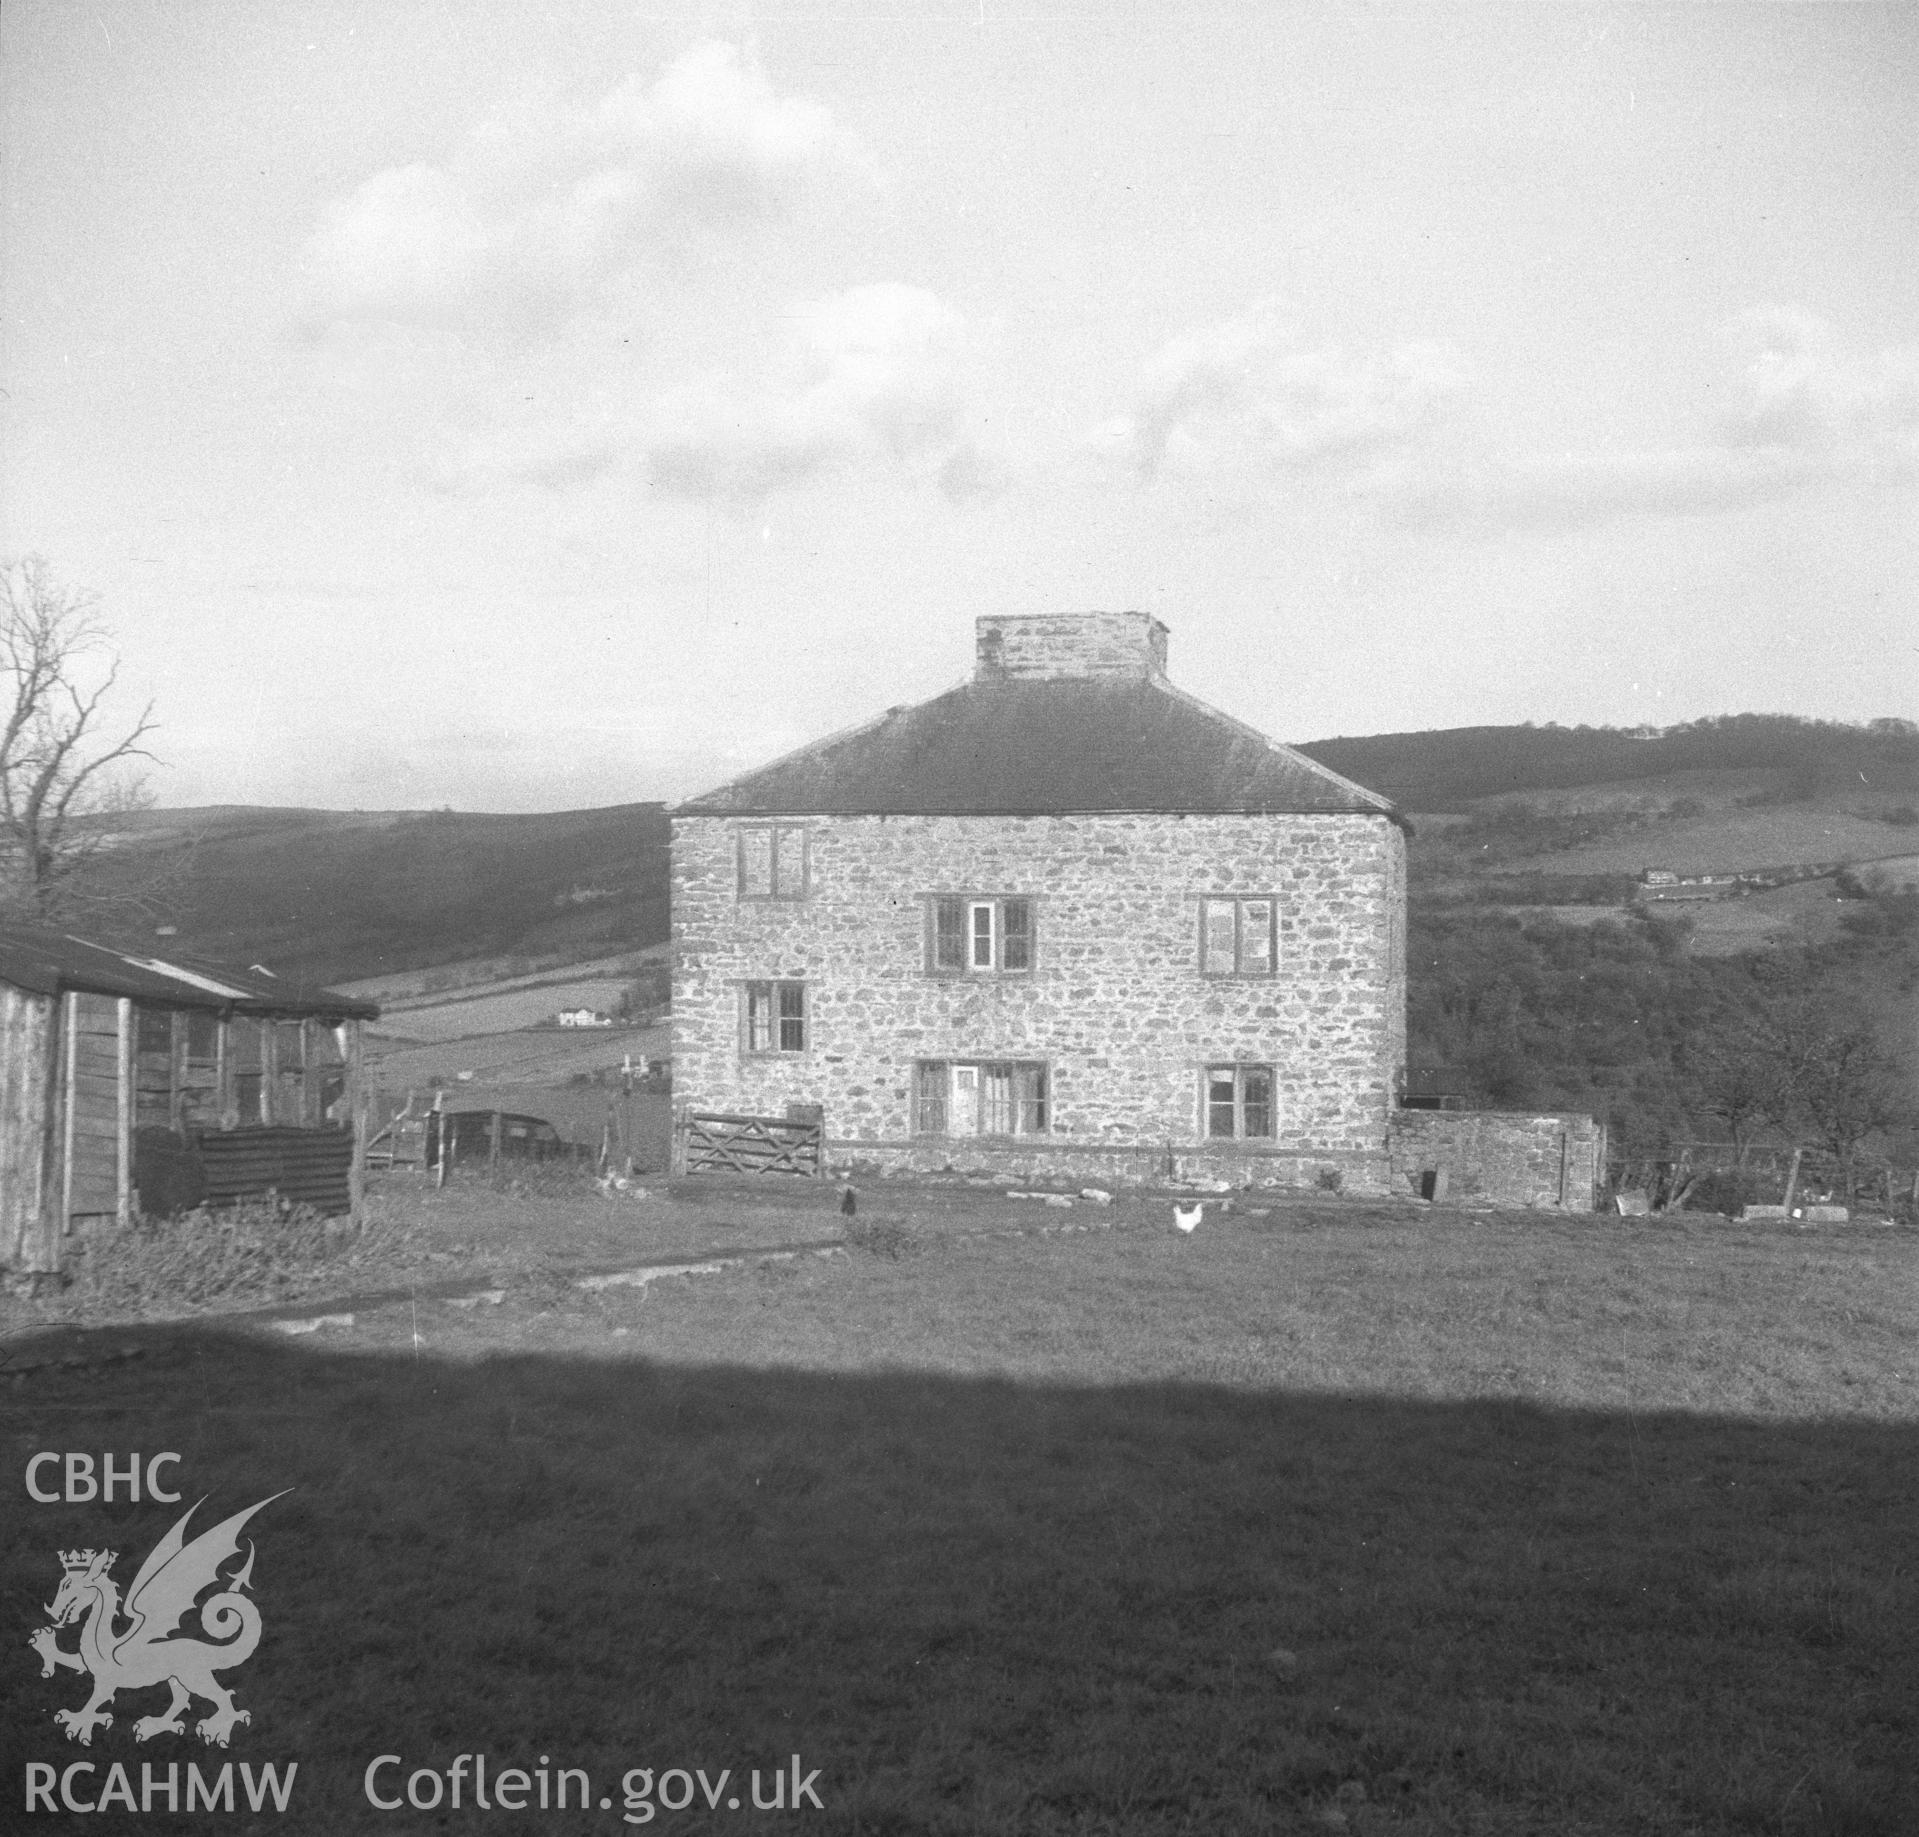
(1030, 748)
(51, 962)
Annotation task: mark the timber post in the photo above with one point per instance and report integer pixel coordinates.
(357, 1104)
(123, 1110)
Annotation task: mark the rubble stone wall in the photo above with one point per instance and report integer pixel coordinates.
(1501, 1157)
(1115, 1006)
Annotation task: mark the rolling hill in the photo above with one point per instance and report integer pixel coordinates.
(352, 895)
(471, 930)
(1789, 758)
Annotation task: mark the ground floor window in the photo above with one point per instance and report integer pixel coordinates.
(1239, 1101)
(776, 1017)
(979, 1097)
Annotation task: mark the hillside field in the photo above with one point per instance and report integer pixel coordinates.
(500, 1010)
(336, 895)
(549, 1057)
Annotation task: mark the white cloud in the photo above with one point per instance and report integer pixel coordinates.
(1807, 393)
(559, 457)
(532, 214)
(1575, 490)
(874, 376)
(875, 372)
(1810, 415)
(1246, 396)
(712, 138)
(715, 445)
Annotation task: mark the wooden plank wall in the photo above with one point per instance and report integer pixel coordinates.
(29, 1236)
(99, 1100)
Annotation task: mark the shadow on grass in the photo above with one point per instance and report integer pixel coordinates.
(985, 1606)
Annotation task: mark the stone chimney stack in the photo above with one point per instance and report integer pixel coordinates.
(1049, 646)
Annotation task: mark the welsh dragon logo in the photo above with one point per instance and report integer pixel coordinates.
(151, 1649)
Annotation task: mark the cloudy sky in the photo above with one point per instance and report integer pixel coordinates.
(519, 406)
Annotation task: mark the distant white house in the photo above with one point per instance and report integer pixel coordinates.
(1662, 884)
(584, 1017)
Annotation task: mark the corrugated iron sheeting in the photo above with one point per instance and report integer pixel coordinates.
(308, 1167)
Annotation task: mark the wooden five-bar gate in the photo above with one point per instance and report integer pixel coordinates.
(708, 1142)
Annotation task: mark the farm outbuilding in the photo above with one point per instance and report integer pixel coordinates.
(138, 1083)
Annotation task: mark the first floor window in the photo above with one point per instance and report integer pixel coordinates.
(772, 861)
(982, 935)
(979, 1097)
(1236, 936)
(1239, 1101)
(776, 1017)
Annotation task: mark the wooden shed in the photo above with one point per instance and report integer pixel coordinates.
(122, 1075)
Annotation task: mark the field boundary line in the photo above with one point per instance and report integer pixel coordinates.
(445, 1290)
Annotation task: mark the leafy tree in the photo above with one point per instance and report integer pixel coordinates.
(64, 768)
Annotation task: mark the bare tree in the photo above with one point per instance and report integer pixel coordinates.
(1737, 1080)
(65, 770)
(1836, 1078)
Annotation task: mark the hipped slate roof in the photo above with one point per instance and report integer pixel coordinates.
(52, 962)
(1047, 747)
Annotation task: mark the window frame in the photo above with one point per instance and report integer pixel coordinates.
(179, 1067)
(1238, 969)
(966, 910)
(1030, 1098)
(780, 838)
(780, 1023)
(1238, 1071)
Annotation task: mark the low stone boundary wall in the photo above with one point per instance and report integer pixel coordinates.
(1345, 1170)
(1500, 1157)
(1497, 1157)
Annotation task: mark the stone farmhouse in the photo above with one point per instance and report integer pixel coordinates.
(1065, 921)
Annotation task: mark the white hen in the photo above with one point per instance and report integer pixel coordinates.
(1187, 1218)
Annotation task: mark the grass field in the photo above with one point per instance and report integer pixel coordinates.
(461, 1017)
(1729, 841)
(548, 1058)
(1009, 1519)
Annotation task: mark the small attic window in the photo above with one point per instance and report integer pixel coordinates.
(772, 861)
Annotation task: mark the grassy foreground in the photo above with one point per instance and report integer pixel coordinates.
(1328, 1519)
